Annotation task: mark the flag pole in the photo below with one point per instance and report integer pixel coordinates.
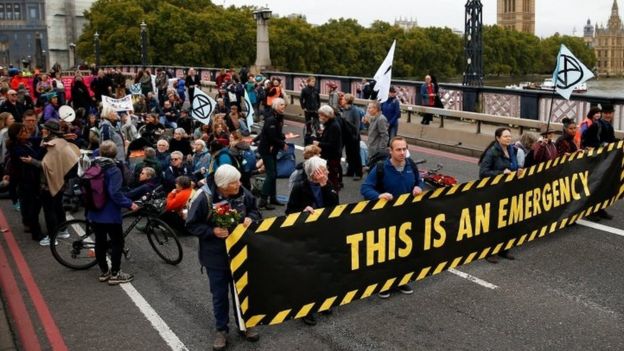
(552, 103)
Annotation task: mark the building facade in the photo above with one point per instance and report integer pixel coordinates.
(608, 44)
(406, 23)
(41, 32)
(516, 14)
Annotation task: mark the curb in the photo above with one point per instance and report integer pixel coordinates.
(7, 338)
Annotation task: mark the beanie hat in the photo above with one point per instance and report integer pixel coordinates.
(225, 175)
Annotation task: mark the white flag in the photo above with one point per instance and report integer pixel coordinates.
(250, 111)
(569, 73)
(202, 106)
(123, 104)
(384, 76)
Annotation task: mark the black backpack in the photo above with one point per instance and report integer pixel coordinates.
(380, 172)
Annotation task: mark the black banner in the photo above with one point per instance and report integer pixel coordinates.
(292, 265)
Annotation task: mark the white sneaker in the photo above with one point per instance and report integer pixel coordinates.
(63, 234)
(46, 241)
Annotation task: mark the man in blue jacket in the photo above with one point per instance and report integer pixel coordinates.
(391, 108)
(399, 177)
(224, 187)
(107, 221)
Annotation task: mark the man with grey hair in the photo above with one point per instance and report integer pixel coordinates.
(272, 140)
(12, 106)
(177, 167)
(378, 136)
(330, 143)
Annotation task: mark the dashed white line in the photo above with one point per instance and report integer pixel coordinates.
(473, 279)
(601, 227)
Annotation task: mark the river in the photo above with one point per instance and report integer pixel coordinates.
(612, 87)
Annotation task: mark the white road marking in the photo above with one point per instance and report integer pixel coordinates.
(473, 279)
(148, 311)
(601, 227)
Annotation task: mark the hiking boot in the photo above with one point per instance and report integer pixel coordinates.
(264, 204)
(405, 289)
(104, 277)
(309, 320)
(220, 341)
(46, 241)
(384, 294)
(63, 234)
(250, 334)
(120, 278)
(492, 259)
(506, 254)
(604, 215)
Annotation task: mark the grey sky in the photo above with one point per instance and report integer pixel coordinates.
(552, 15)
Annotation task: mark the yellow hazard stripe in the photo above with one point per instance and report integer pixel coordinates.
(388, 284)
(381, 203)
(236, 235)
(423, 273)
(242, 283)
(497, 179)
(510, 244)
(611, 146)
(266, 225)
(406, 278)
(359, 207)
(497, 248)
(337, 211)
(548, 164)
(468, 186)
(553, 227)
(455, 262)
(600, 150)
(280, 317)
(305, 310)
(315, 216)
(522, 239)
(401, 200)
(348, 297)
(327, 304)
(245, 305)
(440, 268)
(563, 223)
(540, 167)
(543, 231)
(437, 193)
(471, 257)
(620, 144)
(369, 291)
(510, 177)
(531, 170)
(253, 321)
(239, 259)
(291, 219)
(453, 189)
(419, 197)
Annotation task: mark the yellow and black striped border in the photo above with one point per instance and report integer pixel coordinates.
(238, 253)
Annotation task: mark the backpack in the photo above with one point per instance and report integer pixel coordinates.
(247, 161)
(93, 188)
(380, 172)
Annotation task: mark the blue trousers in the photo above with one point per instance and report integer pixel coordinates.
(220, 284)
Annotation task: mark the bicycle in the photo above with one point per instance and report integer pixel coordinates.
(73, 242)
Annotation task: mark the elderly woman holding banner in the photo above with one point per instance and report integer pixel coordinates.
(499, 158)
(221, 191)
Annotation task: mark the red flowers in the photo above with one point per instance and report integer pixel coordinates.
(225, 216)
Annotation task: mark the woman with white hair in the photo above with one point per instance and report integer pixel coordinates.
(272, 140)
(313, 191)
(224, 188)
(330, 143)
(180, 142)
(201, 159)
(111, 130)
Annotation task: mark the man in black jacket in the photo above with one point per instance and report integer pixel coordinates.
(331, 145)
(272, 140)
(11, 106)
(310, 102)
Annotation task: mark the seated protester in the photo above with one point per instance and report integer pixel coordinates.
(50, 111)
(565, 143)
(299, 174)
(224, 188)
(234, 120)
(162, 153)
(176, 206)
(220, 156)
(91, 132)
(152, 130)
(219, 134)
(201, 159)
(147, 182)
(180, 142)
(186, 122)
(177, 167)
(313, 191)
(128, 128)
(150, 160)
(238, 149)
(221, 106)
(169, 115)
(202, 132)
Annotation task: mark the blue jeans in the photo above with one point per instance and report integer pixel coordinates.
(392, 131)
(220, 282)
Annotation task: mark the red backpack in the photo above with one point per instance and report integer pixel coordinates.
(93, 188)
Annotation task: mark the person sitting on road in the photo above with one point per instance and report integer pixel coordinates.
(149, 160)
(147, 181)
(224, 188)
(177, 167)
(107, 222)
(162, 153)
(299, 173)
(180, 142)
(499, 158)
(176, 207)
(400, 177)
(201, 159)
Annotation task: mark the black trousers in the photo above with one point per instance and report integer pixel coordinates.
(354, 161)
(53, 210)
(102, 232)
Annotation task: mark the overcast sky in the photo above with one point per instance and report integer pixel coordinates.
(552, 16)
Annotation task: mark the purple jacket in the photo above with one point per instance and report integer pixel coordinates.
(50, 112)
(116, 200)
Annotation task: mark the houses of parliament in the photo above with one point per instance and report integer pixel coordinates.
(606, 40)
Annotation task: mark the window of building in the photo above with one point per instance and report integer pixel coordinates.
(17, 12)
(9, 11)
(1, 11)
(33, 12)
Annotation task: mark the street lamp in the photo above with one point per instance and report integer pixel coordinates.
(143, 43)
(72, 55)
(44, 62)
(96, 46)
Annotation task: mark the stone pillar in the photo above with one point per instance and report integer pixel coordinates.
(263, 56)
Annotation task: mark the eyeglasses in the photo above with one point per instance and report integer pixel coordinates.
(176, 159)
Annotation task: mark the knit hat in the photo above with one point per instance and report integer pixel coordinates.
(53, 126)
(225, 175)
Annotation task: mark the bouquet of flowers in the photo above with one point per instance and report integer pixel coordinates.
(225, 216)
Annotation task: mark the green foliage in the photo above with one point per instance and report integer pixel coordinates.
(199, 33)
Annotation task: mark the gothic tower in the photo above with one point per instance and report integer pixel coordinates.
(516, 14)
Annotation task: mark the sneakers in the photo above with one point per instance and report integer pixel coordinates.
(63, 234)
(120, 278)
(46, 241)
(384, 294)
(104, 277)
(405, 289)
(220, 341)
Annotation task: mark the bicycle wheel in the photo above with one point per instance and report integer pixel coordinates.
(73, 244)
(164, 241)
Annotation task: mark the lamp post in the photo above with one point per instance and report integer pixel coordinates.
(96, 46)
(143, 43)
(44, 62)
(263, 56)
(72, 55)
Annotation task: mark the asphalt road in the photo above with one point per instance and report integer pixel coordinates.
(563, 292)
